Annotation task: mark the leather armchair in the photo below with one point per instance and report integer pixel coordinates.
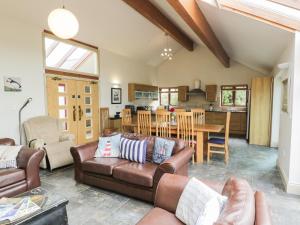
(14, 181)
(45, 132)
(243, 205)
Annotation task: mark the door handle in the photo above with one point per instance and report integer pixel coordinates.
(74, 113)
(80, 112)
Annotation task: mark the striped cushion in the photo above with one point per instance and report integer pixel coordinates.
(133, 150)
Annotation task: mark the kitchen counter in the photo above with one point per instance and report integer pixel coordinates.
(227, 110)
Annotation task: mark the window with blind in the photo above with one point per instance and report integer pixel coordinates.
(168, 96)
(234, 95)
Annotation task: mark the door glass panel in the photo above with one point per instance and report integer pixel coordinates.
(88, 123)
(62, 113)
(87, 90)
(62, 100)
(87, 100)
(88, 134)
(88, 112)
(61, 88)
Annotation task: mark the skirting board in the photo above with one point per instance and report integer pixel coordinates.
(290, 188)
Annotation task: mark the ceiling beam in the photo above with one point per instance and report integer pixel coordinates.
(155, 16)
(289, 3)
(193, 16)
(260, 14)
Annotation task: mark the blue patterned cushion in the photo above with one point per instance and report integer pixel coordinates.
(133, 150)
(219, 141)
(109, 146)
(162, 150)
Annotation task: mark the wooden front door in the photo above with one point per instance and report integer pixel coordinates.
(75, 103)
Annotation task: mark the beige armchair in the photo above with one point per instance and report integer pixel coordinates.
(46, 132)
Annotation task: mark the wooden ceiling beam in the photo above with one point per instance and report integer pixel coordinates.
(193, 16)
(155, 16)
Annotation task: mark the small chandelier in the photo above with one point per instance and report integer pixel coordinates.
(167, 51)
(63, 23)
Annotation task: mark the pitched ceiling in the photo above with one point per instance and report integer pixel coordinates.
(113, 25)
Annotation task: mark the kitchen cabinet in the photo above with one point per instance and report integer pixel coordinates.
(183, 93)
(115, 124)
(142, 91)
(211, 93)
(238, 121)
(261, 109)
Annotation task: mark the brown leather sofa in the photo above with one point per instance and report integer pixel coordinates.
(14, 181)
(125, 177)
(243, 205)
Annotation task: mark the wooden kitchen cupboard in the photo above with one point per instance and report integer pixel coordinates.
(211, 93)
(261, 111)
(183, 93)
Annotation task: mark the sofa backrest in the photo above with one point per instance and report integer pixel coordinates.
(240, 206)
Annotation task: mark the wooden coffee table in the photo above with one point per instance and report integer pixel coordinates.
(53, 210)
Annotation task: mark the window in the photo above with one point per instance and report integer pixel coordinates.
(69, 55)
(234, 95)
(168, 96)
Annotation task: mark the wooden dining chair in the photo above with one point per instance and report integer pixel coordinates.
(185, 129)
(179, 110)
(220, 142)
(199, 116)
(126, 119)
(104, 119)
(144, 122)
(163, 124)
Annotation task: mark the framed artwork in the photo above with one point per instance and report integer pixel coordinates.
(12, 84)
(116, 95)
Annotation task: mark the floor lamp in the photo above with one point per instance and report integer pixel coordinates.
(20, 118)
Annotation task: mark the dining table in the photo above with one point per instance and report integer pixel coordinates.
(201, 134)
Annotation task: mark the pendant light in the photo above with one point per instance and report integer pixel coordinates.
(63, 23)
(167, 51)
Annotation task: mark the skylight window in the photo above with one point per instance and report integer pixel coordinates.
(60, 55)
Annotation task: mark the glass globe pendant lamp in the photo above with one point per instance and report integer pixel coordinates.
(63, 23)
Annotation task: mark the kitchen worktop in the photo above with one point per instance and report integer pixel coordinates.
(227, 110)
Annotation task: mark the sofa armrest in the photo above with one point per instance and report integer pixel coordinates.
(7, 141)
(84, 152)
(29, 160)
(262, 211)
(169, 190)
(174, 164)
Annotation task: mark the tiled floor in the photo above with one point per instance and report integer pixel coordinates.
(89, 205)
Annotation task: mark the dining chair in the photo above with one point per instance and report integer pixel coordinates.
(179, 110)
(104, 119)
(144, 122)
(126, 119)
(199, 116)
(220, 142)
(163, 124)
(185, 129)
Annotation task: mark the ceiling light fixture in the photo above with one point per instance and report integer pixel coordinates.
(167, 51)
(63, 23)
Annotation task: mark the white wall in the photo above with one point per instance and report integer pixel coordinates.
(20, 56)
(118, 71)
(202, 64)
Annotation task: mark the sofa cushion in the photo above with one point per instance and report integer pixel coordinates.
(136, 173)
(102, 166)
(150, 140)
(161, 217)
(109, 147)
(11, 176)
(163, 149)
(179, 145)
(133, 150)
(240, 206)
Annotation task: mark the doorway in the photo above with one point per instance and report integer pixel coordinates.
(75, 103)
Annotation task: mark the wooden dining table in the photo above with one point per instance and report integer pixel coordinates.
(201, 133)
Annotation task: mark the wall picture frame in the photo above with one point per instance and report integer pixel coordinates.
(116, 95)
